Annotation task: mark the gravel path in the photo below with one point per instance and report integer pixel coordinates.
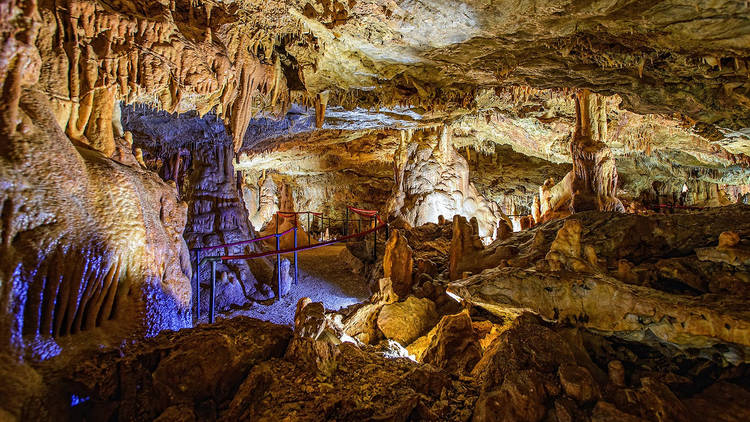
(324, 276)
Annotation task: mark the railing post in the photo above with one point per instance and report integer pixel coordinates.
(277, 222)
(308, 231)
(374, 239)
(278, 267)
(346, 222)
(197, 298)
(295, 254)
(213, 291)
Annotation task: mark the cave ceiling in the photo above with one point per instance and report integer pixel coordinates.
(246, 58)
(660, 57)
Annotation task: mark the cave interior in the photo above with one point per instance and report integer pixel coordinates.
(375, 210)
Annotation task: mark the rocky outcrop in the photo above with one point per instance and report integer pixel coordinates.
(610, 240)
(533, 371)
(244, 367)
(432, 179)
(195, 369)
(574, 286)
(467, 253)
(454, 345)
(728, 251)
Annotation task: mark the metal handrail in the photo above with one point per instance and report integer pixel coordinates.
(373, 214)
(214, 259)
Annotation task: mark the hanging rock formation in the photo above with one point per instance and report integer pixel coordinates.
(177, 55)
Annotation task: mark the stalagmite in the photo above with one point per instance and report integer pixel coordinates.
(432, 179)
(321, 100)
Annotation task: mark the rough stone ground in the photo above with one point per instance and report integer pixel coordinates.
(324, 276)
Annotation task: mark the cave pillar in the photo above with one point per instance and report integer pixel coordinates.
(594, 182)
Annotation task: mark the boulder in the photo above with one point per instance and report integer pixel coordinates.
(729, 251)
(455, 346)
(521, 398)
(728, 239)
(526, 344)
(578, 383)
(311, 321)
(566, 251)
(406, 321)
(317, 356)
(361, 324)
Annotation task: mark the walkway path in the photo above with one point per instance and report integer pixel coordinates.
(324, 276)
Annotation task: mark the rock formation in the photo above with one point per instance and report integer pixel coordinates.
(574, 283)
(115, 264)
(432, 179)
(197, 154)
(594, 182)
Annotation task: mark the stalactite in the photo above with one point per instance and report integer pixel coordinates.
(321, 101)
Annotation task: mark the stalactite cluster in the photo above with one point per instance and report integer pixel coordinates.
(174, 55)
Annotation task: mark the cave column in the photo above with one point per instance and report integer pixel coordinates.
(594, 182)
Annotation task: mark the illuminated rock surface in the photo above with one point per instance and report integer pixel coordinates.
(563, 181)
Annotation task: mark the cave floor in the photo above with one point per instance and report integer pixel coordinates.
(323, 277)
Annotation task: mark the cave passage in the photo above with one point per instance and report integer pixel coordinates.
(375, 210)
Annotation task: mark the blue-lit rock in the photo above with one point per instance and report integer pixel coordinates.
(92, 248)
